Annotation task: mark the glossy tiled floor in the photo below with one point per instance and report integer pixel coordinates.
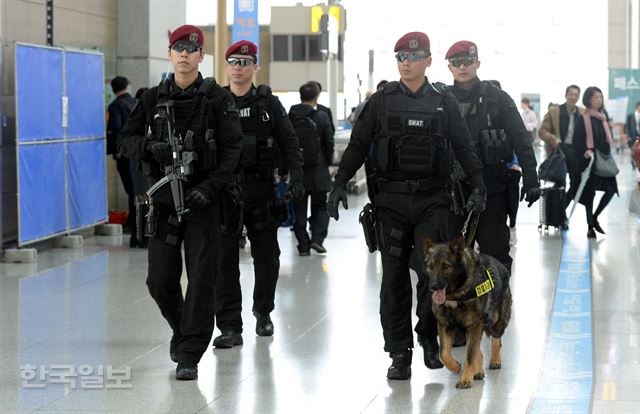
(78, 311)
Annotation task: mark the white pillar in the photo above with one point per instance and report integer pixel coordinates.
(222, 42)
(634, 16)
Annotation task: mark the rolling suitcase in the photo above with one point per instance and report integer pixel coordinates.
(552, 208)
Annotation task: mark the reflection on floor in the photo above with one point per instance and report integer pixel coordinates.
(80, 333)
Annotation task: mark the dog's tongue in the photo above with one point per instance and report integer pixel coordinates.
(440, 296)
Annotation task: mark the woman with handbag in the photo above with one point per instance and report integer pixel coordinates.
(593, 138)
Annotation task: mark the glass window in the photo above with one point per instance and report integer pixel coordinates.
(280, 48)
(314, 48)
(299, 48)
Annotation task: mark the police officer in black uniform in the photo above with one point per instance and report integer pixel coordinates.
(497, 131)
(206, 110)
(267, 133)
(411, 124)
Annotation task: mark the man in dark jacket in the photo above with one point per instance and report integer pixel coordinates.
(119, 111)
(498, 132)
(406, 129)
(317, 181)
(188, 104)
(323, 108)
(557, 130)
(268, 135)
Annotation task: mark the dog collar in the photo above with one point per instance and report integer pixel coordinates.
(482, 289)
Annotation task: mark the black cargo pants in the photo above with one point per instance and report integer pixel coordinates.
(261, 221)
(191, 317)
(402, 220)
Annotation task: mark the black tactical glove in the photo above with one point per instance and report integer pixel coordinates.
(295, 191)
(196, 198)
(337, 194)
(161, 151)
(477, 201)
(531, 195)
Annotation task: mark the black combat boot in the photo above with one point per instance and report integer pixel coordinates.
(228, 339)
(264, 326)
(431, 352)
(187, 371)
(400, 368)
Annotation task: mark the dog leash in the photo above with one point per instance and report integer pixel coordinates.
(469, 228)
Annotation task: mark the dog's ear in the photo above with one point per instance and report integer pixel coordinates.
(427, 243)
(457, 246)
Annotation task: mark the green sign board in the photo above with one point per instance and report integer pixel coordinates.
(625, 82)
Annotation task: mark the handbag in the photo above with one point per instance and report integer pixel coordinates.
(554, 168)
(605, 165)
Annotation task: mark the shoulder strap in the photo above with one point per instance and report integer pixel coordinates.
(206, 86)
(391, 87)
(263, 90)
(163, 92)
(125, 104)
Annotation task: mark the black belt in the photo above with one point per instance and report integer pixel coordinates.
(408, 186)
(246, 177)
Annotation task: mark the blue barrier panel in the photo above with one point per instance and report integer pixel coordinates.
(56, 193)
(87, 187)
(38, 93)
(85, 90)
(41, 191)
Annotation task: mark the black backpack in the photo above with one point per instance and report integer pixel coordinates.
(308, 139)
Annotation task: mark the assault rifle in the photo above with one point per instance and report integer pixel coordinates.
(455, 181)
(181, 166)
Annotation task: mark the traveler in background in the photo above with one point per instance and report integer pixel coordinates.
(557, 131)
(593, 132)
(119, 111)
(315, 136)
(529, 118)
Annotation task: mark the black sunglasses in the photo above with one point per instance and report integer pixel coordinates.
(189, 47)
(411, 56)
(467, 61)
(240, 61)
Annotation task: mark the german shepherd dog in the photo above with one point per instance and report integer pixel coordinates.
(471, 290)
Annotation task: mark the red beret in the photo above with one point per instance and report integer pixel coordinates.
(462, 48)
(242, 47)
(187, 33)
(413, 41)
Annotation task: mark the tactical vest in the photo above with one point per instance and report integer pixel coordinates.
(411, 138)
(259, 148)
(191, 115)
(492, 144)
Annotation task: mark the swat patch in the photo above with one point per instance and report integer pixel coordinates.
(245, 112)
(416, 123)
